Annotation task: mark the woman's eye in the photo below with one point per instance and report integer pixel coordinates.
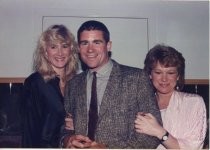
(65, 46)
(172, 73)
(157, 72)
(53, 47)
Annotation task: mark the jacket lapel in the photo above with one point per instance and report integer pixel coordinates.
(81, 119)
(112, 90)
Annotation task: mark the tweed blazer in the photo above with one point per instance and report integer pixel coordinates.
(128, 91)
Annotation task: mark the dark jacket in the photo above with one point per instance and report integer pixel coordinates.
(42, 112)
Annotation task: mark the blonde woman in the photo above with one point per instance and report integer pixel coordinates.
(55, 63)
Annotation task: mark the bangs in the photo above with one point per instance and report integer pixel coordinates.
(57, 36)
(168, 62)
(166, 58)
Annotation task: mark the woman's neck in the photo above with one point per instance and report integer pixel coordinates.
(62, 83)
(163, 99)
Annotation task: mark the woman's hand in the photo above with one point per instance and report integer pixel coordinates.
(69, 122)
(146, 123)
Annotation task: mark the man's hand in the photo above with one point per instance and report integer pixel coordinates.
(77, 141)
(95, 145)
(80, 141)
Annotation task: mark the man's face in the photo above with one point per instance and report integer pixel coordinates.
(93, 49)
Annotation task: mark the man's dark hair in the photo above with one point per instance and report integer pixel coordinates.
(94, 25)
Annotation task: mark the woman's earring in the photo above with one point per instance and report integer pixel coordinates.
(46, 55)
(177, 87)
(150, 77)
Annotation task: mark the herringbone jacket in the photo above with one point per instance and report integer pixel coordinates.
(128, 91)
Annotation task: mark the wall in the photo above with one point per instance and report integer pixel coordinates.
(181, 24)
(129, 36)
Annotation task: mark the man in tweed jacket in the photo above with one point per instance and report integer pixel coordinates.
(122, 92)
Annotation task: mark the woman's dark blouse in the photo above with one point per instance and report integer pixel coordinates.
(42, 112)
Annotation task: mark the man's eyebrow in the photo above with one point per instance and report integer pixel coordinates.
(83, 41)
(98, 41)
(86, 41)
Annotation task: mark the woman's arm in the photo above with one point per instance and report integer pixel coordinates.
(146, 123)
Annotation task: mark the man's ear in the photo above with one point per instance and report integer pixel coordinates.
(109, 45)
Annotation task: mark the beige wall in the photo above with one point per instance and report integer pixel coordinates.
(181, 24)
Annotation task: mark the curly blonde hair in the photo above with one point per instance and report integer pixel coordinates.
(55, 33)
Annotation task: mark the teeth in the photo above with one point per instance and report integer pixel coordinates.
(90, 56)
(164, 85)
(60, 59)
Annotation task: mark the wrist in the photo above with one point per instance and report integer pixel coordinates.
(61, 143)
(165, 137)
(161, 133)
(65, 141)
